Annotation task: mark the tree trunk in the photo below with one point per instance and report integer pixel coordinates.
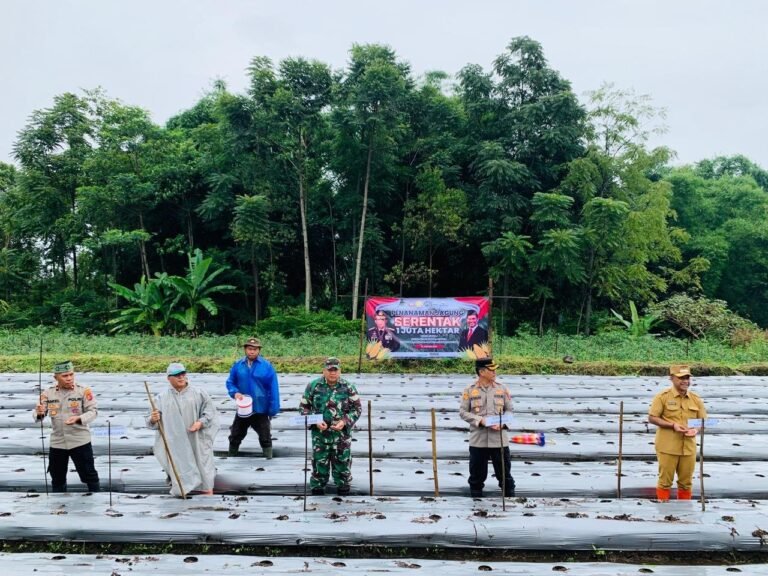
(333, 247)
(356, 289)
(255, 272)
(541, 317)
(74, 246)
(143, 249)
(305, 238)
(74, 267)
(402, 251)
(590, 279)
(429, 292)
(190, 233)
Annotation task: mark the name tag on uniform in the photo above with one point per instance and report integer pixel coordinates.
(698, 422)
(496, 420)
(309, 419)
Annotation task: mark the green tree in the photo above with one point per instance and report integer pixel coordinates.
(290, 105)
(251, 227)
(122, 188)
(435, 218)
(368, 114)
(631, 251)
(51, 150)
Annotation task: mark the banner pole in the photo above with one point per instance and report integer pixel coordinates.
(363, 318)
(434, 454)
(621, 446)
(370, 449)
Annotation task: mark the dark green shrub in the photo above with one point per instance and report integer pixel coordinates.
(295, 321)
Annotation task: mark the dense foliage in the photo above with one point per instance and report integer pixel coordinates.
(317, 183)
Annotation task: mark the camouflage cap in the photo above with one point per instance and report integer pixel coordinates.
(332, 362)
(255, 342)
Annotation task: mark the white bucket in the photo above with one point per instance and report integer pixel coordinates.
(244, 406)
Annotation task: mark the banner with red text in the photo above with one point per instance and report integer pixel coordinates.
(425, 327)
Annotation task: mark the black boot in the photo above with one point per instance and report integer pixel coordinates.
(233, 450)
(95, 487)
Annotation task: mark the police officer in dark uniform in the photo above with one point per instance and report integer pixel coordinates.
(382, 333)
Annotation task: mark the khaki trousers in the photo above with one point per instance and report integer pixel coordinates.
(669, 464)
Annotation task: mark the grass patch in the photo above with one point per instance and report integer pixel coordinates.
(612, 353)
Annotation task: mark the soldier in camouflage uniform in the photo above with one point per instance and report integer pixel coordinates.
(337, 400)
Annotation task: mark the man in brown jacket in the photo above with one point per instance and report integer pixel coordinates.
(71, 408)
(675, 441)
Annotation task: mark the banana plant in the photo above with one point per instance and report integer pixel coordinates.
(195, 291)
(639, 325)
(151, 303)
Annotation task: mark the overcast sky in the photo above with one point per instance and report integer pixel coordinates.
(704, 61)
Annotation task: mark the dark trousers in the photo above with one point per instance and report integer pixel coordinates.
(82, 457)
(239, 429)
(478, 468)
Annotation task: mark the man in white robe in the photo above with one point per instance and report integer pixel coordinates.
(190, 423)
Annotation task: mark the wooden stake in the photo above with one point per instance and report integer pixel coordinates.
(42, 428)
(109, 458)
(621, 446)
(165, 442)
(306, 452)
(701, 468)
(503, 464)
(434, 454)
(370, 449)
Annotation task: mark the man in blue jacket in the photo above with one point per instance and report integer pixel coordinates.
(253, 376)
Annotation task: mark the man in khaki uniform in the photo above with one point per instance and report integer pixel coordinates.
(479, 401)
(675, 440)
(71, 408)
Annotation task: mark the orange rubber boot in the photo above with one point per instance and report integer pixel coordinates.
(662, 494)
(684, 494)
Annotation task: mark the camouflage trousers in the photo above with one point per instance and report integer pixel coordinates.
(331, 453)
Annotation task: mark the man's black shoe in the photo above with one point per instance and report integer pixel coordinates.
(476, 493)
(343, 490)
(318, 491)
